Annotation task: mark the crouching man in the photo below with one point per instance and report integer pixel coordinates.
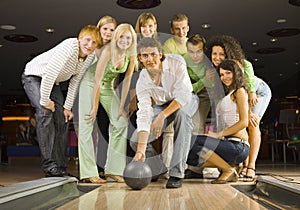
(164, 93)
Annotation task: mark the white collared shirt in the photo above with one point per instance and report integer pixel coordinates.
(175, 85)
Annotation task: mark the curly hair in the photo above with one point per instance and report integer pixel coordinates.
(232, 48)
(238, 80)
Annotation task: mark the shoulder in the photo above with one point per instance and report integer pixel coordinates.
(70, 44)
(247, 63)
(241, 92)
(175, 58)
(169, 41)
(186, 57)
(106, 51)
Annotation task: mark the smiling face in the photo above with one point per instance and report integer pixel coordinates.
(87, 45)
(106, 32)
(217, 55)
(148, 29)
(195, 52)
(125, 40)
(151, 58)
(226, 77)
(180, 29)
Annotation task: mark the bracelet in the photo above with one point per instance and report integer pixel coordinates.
(143, 154)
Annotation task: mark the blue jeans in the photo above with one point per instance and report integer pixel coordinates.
(264, 94)
(233, 152)
(183, 127)
(52, 131)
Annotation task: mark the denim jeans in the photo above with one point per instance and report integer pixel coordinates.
(264, 94)
(233, 152)
(183, 127)
(52, 130)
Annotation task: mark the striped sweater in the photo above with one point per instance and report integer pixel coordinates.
(57, 65)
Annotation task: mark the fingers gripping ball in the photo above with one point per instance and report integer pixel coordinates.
(137, 175)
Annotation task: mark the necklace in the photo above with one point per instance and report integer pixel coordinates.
(81, 60)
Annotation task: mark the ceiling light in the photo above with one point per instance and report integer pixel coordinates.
(254, 43)
(49, 30)
(20, 38)
(8, 27)
(281, 20)
(1, 45)
(295, 2)
(270, 50)
(255, 59)
(284, 32)
(273, 40)
(206, 25)
(138, 4)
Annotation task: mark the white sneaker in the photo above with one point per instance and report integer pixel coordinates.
(211, 173)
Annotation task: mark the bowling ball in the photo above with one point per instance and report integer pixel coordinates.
(137, 175)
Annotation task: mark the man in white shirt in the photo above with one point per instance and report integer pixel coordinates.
(164, 93)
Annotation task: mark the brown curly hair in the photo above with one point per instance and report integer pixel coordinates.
(232, 47)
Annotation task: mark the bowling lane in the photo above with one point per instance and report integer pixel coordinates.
(194, 194)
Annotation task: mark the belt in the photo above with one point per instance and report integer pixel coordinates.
(237, 140)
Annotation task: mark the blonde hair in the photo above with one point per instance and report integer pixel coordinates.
(90, 30)
(105, 20)
(116, 36)
(142, 20)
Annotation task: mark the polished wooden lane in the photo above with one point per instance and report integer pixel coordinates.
(194, 194)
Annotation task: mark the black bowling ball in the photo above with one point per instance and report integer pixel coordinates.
(137, 175)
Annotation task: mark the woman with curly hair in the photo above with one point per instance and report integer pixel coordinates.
(227, 47)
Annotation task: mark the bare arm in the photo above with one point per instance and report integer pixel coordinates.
(126, 86)
(243, 109)
(100, 69)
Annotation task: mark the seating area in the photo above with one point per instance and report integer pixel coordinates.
(34, 151)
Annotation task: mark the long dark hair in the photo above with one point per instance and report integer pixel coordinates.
(238, 77)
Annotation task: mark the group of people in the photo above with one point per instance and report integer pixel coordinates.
(171, 87)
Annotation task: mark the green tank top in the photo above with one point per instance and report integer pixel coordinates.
(111, 72)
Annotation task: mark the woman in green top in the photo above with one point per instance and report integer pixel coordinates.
(87, 162)
(117, 57)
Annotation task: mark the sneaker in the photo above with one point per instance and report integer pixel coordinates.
(54, 172)
(189, 174)
(211, 173)
(174, 182)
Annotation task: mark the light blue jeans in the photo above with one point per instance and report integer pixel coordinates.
(264, 95)
(183, 127)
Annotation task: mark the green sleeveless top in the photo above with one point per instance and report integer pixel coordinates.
(111, 72)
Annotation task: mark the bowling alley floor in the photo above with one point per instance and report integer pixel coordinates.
(194, 193)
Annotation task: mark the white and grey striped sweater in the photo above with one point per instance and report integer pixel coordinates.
(57, 65)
